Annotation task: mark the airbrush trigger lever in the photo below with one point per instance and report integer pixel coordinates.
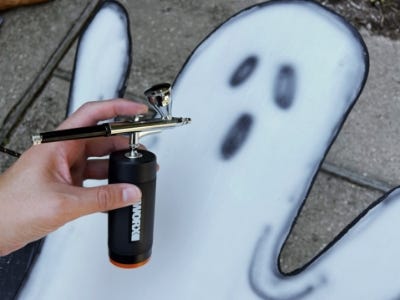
(159, 98)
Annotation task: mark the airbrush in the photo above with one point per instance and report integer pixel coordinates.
(130, 229)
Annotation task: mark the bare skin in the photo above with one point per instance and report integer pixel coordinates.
(43, 189)
(7, 4)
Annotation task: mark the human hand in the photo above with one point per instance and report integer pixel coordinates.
(43, 189)
(7, 4)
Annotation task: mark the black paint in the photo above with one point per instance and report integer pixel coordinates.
(243, 71)
(236, 136)
(285, 86)
(263, 276)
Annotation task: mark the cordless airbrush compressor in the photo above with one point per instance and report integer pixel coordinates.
(130, 229)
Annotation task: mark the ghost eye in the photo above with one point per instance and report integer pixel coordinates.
(243, 71)
(285, 86)
(236, 136)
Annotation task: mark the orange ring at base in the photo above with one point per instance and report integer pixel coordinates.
(129, 266)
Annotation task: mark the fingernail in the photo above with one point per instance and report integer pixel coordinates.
(131, 194)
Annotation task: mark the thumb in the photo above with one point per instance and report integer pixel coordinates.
(106, 197)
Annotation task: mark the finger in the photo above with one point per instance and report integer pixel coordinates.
(96, 169)
(96, 147)
(92, 112)
(104, 146)
(103, 198)
(142, 147)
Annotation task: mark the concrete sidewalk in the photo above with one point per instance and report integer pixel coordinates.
(36, 58)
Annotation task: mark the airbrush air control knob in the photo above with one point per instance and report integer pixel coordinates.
(130, 229)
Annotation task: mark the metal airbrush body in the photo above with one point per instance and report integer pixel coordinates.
(159, 96)
(130, 229)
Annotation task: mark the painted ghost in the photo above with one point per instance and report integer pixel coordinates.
(268, 92)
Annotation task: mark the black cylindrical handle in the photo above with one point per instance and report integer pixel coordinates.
(75, 133)
(130, 229)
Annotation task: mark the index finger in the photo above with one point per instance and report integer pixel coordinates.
(92, 112)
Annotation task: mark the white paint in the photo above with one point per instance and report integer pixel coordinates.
(102, 58)
(211, 214)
